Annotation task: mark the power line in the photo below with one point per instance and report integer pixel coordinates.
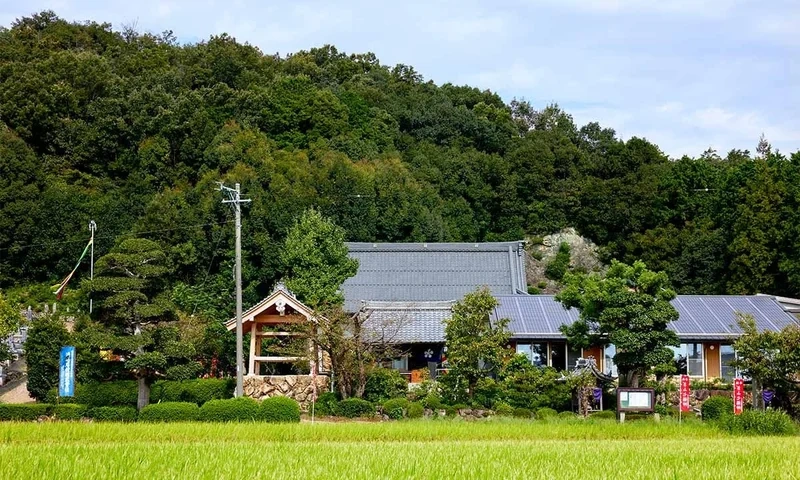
(64, 242)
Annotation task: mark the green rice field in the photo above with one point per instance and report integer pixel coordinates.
(496, 449)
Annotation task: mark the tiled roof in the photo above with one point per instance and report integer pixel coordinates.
(700, 316)
(406, 322)
(415, 272)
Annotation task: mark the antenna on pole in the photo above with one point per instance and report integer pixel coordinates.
(235, 198)
(92, 228)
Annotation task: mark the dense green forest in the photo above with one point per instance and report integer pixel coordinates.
(133, 130)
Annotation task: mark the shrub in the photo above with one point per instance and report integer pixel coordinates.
(503, 409)
(415, 410)
(487, 392)
(521, 412)
(716, 407)
(759, 422)
(23, 411)
(395, 408)
(432, 401)
(355, 407)
(558, 266)
(279, 410)
(69, 411)
(534, 290)
(604, 415)
(566, 415)
(112, 414)
(42, 347)
(527, 386)
(545, 413)
(384, 384)
(170, 412)
(197, 391)
(327, 405)
(242, 409)
(102, 394)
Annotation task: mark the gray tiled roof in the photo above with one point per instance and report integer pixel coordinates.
(414, 272)
(700, 316)
(407, 322)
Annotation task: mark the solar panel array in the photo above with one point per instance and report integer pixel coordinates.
(700, 316)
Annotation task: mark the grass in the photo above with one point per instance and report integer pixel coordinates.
(412, 449)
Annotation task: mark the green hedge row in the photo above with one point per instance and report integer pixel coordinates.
(170, 412)
(125, 392)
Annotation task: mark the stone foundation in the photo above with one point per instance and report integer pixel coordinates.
(297, 387)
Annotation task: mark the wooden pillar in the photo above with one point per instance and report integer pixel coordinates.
(253, 331)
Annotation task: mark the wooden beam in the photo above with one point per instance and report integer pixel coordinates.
(279, 359)
(278, 334)
(273, 319)
(251, 370)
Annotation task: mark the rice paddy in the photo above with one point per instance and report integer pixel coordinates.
(496, 449)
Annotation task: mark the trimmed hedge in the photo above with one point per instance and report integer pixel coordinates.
(355, 407)
(23, 412)
(112, 414)
(327, 405)
(242, 409)
(279, 410)
(170, 412)
(759, 422)
(503, 409)
(105, 394)
(716, 407)
(415, 410)
(522, 413)
(545, 413)
(69, 411)
(395, 408)
(197, 391)
(384, 384)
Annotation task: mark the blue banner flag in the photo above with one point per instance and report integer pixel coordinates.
(66, 372)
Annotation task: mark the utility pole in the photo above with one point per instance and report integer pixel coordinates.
(92, 228)
(235, 198)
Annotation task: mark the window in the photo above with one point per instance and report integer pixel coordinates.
(536, 353)
(726, 356)
(608, 366)
(573, 354)
(679, 355)
(525, 349)
(558, 356)
(694, 359)
(400, 364)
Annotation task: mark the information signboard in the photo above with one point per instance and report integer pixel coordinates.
(738, 396)
(685, 394)
(635, 399)
(66, 372)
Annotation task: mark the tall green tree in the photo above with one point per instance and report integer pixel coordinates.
(475, 344)
(46, 336)
(629, 308)
(316, 260)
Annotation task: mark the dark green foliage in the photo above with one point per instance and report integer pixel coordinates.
(170, 412)
(279, 410)
(503, 409)
(327, 405)
(69, 411)
(112, 414)
(520, 412)
(415, 410)
(487, 392)
(23, 412)
(197, 391)
(243, 409)
(566, 415)
(355, 407)
(452, 410)
(384, 384)
(604, 415)
(545, 413)
(105, 394)
(559, 264)
(46, 336)
(432, 401)
(716, 407)
(527, 386)
(395, 408)
(760, 422)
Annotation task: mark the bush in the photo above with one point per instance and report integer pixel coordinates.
(521, 412)
(759, 422)
(197, 391)
(105, 394)
(432, 401)
(112, 414)
(395, 408)
(170, 412)
(23, 412)
(279, 410)
(545, 413)
(527, 386)
(604, 415)
(503, 409)
(46, 336)
(566, 415)
(327, 405)
(487, 392)
(355, 407)
(69, 411)
(558, 266)
(242, 409)
(415, 410)
(715, 408)
(384, 384)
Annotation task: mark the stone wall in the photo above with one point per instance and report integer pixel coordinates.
(297, 387)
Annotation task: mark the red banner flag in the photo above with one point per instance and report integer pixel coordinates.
(685, 393)
(738, 396)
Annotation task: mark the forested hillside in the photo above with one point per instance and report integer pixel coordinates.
(133, 130)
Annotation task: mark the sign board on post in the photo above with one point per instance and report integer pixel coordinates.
(685, 394)
(66, 372)
(738, 396)
(635, 399)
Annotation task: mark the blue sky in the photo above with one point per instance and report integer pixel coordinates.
(685, 74)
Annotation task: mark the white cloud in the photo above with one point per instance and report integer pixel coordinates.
(465, 28)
